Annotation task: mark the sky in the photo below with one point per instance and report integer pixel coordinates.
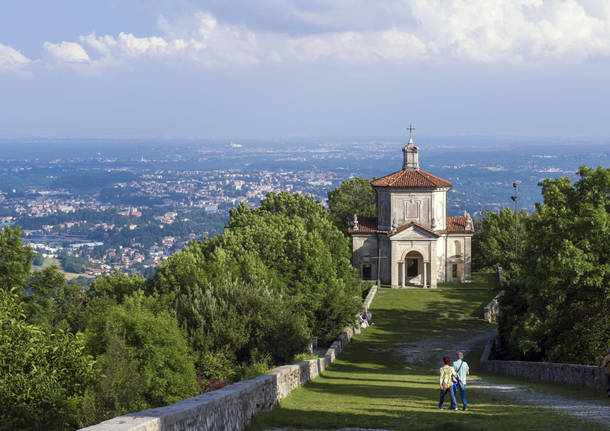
(299, 68)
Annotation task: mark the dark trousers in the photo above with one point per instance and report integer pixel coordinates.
(463, 397)
(451, 394)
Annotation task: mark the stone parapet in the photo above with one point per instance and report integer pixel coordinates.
(492, 310)
(232, 407)
(573, 374)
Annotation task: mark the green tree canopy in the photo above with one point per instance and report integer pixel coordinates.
(44, 372)
(288, 245)
(354, 196)
(559, 309)
(493, 243)
(15, 259)
(143, 359)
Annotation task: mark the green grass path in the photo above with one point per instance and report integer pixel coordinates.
(388, 376)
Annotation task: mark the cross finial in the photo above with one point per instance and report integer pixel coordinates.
(410, 129)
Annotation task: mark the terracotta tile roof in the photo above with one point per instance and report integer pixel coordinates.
(366, 225)
(369, 225)
(456, 224)
(404, 178)
(421, 226)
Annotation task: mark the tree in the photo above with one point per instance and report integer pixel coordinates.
(142, 357)
(287, 246)
(15, 260)
(559, 310)
(52, 302)
(116, 286)
(354, 196)
(44, 372)
(493, 243)
(232, 322)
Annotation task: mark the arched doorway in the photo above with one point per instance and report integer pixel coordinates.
(412, 270)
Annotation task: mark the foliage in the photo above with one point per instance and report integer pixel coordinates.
(559, 310)
(143, 359)
(15, 260)
(233, 306)
(278, 274)
(38, 260)
(51, 302)
(44, 372)
(116, 286)
(74, 264)
(493, 243)
(354, 196)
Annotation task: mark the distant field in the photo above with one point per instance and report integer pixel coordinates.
(53, 261)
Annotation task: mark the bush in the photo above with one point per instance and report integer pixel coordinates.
(143, 359)
(44, 373)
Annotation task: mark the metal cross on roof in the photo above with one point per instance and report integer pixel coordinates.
(410, 129)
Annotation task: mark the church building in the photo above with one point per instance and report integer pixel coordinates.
(412, 242)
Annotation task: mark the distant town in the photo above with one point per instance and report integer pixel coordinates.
(118, 207)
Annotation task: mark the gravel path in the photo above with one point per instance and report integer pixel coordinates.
(432, 349)
(587, 410)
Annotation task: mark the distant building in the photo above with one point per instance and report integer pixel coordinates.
(412, 242)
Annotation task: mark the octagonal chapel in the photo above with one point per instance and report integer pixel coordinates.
(412, 242)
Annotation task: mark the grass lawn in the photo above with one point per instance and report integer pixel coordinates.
(372, 386)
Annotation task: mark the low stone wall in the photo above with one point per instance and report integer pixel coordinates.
(232, 407)
(369, 298)
(492, 310)
(584, 375)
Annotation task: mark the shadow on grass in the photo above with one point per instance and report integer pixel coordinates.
(495, 417)
(370, 386)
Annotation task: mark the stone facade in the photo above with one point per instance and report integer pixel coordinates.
(232, 407)
(573, 374)
(412, 242)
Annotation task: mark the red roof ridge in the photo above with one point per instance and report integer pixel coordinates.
(409, 178)
(456, 225)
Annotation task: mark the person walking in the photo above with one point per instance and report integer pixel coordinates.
(606, 364)
(462, 370)
(446, 383)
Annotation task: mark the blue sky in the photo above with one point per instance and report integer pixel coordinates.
(270, 68)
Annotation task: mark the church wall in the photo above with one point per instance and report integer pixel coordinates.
(441, 244)
(439, 209)
(385, 244)
(468, 257)
(364, 250)
(409, 206)
(458, 249)
(383, 209)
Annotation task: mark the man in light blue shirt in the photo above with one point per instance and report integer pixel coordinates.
(461, 368)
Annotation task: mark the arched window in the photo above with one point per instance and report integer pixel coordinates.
(457, 248)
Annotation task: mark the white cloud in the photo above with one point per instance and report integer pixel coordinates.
(67, 52)
(12, 60)
(498, 31)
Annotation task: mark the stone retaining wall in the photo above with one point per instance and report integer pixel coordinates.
(492, 310)
(232, 407)
(584, 375)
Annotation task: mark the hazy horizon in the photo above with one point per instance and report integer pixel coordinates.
(233, 69)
